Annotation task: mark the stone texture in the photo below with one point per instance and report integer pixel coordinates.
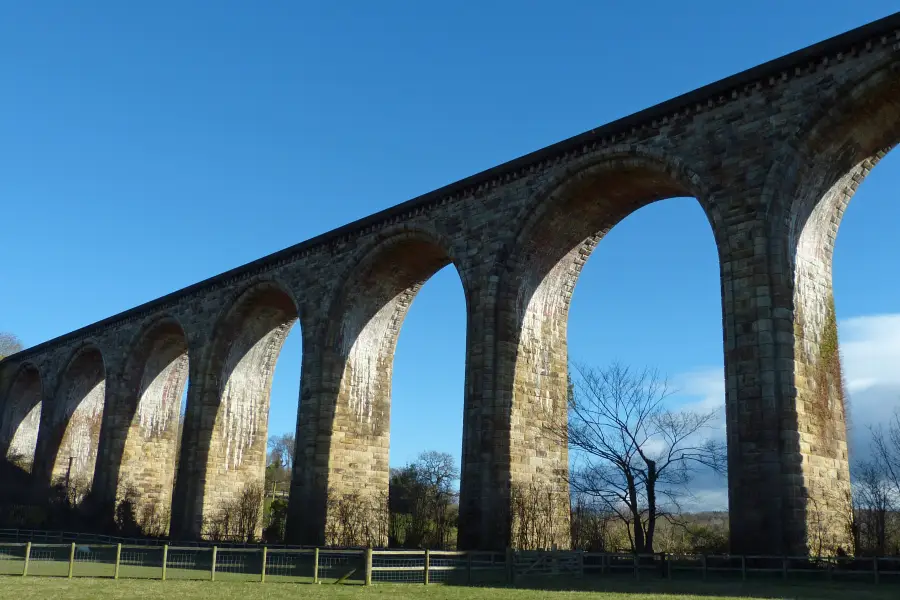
(69, 431)
(21, 417)
(141, 446)
(772, 155)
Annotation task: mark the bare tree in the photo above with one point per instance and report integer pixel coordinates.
(356, 519)
(281, 451)
(536, 519)
(280, 461)
(9, 344)
(873, 499)
(877, 492)
(634, 455)
(886, 450)
(237, 520)
(249, 512)
(591, 525)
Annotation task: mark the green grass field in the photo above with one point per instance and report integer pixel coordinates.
(34, 588)
(289, 577)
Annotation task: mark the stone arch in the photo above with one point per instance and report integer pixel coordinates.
(229, 451)
(70, 427)
(21, 418)
(671, 169)
(366, 315)
(565, 224)
(145, 425)
(807, 192)
(827, 158)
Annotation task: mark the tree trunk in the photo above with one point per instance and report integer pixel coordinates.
(881, 531)
(651, 505)
(635, 514)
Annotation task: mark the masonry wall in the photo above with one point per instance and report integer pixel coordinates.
(518, 236)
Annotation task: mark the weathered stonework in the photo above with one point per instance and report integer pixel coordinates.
(772, 155)
(21, 417)
(70, 429)
(144, 427)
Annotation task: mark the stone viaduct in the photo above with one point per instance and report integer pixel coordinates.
(773, 155)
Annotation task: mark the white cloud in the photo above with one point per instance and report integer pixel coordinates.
(713, 497)
(705, 388)
(703, 391)
(871, 351)
(870, 348)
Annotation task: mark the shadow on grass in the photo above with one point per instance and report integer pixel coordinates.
(817, 590)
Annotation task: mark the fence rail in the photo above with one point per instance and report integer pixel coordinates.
(368, 566)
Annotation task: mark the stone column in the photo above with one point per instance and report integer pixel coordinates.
(44, 450)
(513, 457)
(485, 484)
(112, 439)
(339, 489)
(309, 480)
(788, 468)
(187, 495)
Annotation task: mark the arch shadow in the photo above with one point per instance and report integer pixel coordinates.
(21, 417)
(143, 435)
(71, 425)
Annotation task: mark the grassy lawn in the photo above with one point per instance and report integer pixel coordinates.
(34, 588)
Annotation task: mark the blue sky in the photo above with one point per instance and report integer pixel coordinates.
(146, 147)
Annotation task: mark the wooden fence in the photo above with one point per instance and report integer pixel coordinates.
(368, 566)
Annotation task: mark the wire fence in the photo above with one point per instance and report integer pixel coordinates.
(368, 566)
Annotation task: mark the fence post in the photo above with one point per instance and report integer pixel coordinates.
(603, 561)
(637, 574)
(581, 564)
(669, 566)
(469, 567)
(510, 566)
(874, 566)
(262, 576)
(71, 559)
(316, 566)
(743, 568)
(369, 565)
(118, 559)
(212, 568)
(27, 559)
(427, 565)
(165, 560)
(784, 568)
(703, 562)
